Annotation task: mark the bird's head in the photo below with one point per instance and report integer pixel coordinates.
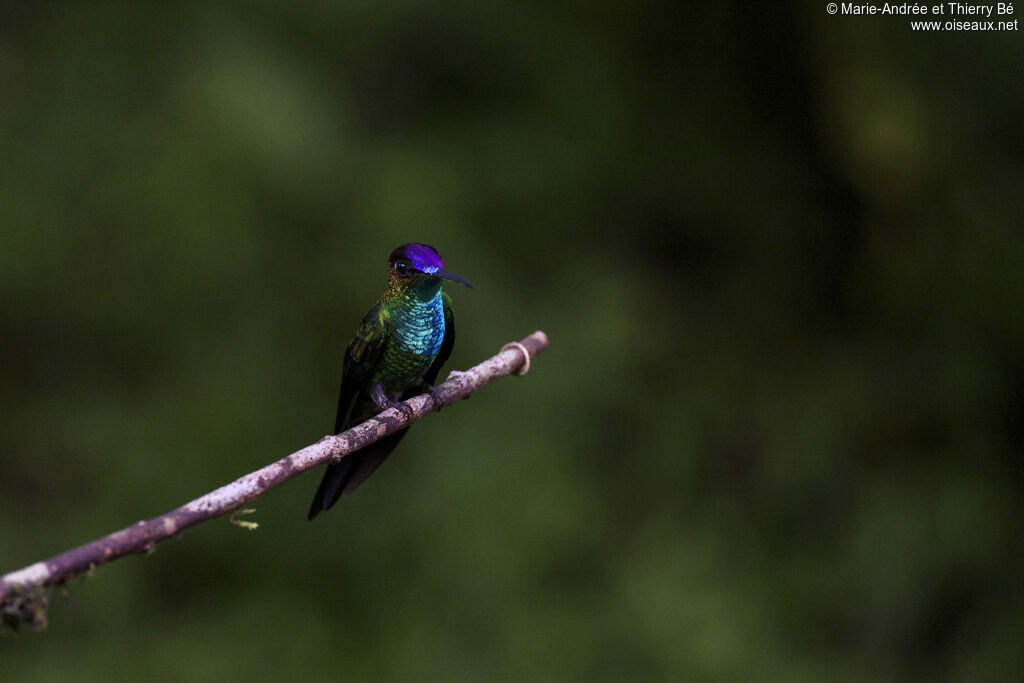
(418, 268)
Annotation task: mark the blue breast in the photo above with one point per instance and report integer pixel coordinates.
(419, 328)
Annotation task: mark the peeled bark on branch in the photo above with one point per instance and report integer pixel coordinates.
(23, 596)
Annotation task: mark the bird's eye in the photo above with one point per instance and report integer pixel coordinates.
(401, 269)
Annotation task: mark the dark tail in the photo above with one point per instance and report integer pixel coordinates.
(345, 477)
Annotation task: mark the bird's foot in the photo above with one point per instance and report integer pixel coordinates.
(400, 407)
(430, 389)
(383, 402)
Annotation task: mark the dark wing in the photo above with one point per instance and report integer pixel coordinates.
(360, 361)
(447, 344)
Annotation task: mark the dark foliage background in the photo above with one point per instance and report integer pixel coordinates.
(778, 434)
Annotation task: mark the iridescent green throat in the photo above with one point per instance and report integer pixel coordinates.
(415, 317)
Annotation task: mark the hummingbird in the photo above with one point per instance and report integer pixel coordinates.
(396, 353)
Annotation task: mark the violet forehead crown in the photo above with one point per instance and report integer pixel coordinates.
(424, 258)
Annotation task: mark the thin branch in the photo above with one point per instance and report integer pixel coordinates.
(22, 598)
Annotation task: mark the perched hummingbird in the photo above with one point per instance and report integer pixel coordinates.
(397, 352)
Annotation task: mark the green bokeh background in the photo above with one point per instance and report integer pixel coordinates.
(778, 435)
